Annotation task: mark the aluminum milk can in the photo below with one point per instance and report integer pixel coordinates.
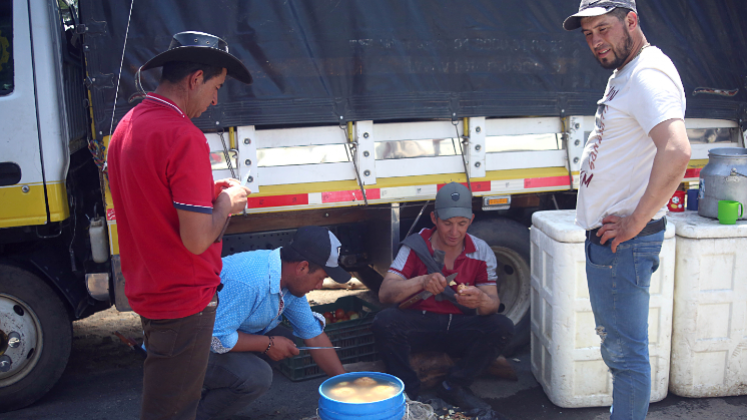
(723, 178)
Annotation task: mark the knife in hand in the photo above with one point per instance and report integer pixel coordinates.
(317, 348)
(426, 294)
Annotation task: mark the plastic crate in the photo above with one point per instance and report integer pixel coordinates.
(354, 336)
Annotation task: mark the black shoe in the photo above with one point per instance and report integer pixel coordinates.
(461, 397)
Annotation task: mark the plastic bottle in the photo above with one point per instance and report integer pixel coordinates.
(99, 242)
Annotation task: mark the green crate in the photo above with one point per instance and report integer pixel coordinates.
(354, 336)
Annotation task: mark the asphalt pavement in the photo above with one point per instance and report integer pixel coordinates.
(103, 381)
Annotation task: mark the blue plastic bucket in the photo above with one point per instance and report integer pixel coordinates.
(389, 409)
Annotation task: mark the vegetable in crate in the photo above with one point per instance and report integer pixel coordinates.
(329, 317)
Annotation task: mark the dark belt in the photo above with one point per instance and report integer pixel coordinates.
(654, 226)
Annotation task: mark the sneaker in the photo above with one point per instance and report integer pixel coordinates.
(461, 397)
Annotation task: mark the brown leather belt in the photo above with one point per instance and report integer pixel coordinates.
(654, 226)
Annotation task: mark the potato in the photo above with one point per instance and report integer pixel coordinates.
(383, 392)
(365, 381)
(342, 392)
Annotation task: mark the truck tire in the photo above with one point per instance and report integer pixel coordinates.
(35, 338)
(510, 243)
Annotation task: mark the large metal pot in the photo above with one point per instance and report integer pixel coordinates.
(724, 178)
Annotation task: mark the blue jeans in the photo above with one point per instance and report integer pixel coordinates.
(619, 292)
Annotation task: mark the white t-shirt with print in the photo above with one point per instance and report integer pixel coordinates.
(619, 154)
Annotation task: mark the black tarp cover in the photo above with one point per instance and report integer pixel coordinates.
(326, 61)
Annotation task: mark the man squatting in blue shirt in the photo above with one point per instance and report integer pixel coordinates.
(258, 288)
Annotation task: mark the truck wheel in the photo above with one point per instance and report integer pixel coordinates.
(35, 338)
(510, 243)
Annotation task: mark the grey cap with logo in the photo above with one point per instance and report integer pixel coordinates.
(453, 200)
(589, 8)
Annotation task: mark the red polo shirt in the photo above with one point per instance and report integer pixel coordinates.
(158, 162)
(476, 266)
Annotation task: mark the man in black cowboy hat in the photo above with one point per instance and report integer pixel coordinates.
(170, 214)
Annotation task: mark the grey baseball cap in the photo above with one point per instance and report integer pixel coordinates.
(453, 200)
(589, 8)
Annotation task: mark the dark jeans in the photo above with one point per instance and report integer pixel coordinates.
(174, 370)
(235, 379)
(478, 340)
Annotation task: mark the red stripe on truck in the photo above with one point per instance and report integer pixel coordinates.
(476, 186)
(552, 181)
(278, 201)
(693, 173)
(350, 195)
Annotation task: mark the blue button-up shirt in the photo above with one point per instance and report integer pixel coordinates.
(250, 300)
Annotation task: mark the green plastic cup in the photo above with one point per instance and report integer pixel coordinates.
(729, 211)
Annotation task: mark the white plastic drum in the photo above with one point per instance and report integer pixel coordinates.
(566, 356)
(709, 341)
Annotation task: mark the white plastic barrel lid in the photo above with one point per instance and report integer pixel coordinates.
(691, 225)
(560, 225)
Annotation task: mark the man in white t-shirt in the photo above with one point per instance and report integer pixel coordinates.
(632, 163)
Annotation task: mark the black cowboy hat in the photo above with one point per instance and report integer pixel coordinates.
(202, 48)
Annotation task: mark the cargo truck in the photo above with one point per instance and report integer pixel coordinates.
(358, 113)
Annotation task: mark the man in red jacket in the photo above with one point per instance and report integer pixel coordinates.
(170, 214)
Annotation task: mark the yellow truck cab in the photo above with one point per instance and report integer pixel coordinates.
(358, 113)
